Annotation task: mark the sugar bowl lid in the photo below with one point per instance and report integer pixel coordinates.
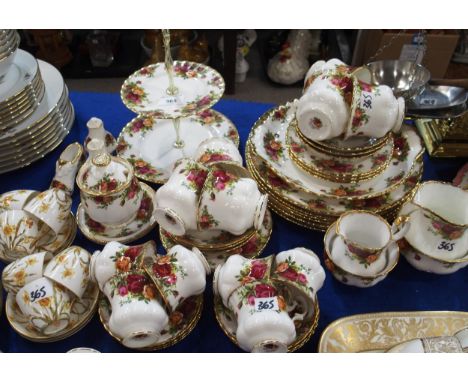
(104, 174)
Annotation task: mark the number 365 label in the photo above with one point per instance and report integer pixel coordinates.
(39, 292)
(266, 303)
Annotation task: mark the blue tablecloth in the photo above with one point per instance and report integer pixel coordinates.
(405, 289)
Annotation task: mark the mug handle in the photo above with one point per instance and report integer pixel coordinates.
(400, 227)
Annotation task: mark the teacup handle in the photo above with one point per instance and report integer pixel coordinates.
(400, 227)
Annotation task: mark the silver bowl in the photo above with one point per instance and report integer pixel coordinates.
(406, 78)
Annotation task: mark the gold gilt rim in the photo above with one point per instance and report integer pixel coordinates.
(120, 188)
(388, 190)
(32, 99)
(40, 139)
(267, 188)
(335, 150)
(52, 144)
(171, 341)
(168, 244)
(60, 335)
(327, 256)
(382, 315)
(10, 46)
(352, 177)
(49, 134)
(98, 239)
(269, 113)
(62, 101)
(151, 179)
(34, 130)
(214, 247)
(24, 94)
(422, 184)
(297, 344)
(166, 115)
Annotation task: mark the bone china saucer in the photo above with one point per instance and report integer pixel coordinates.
(132, 231)
(81, 313)
(181, 322)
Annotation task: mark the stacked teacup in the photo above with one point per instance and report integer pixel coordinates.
(211, 202)
(270, 299)
(146, 291)
(46, 288)
(32, 221)
(35, 112)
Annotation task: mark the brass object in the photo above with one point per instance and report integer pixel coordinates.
(445, 137)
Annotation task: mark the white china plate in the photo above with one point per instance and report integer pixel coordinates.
(133, 230)
(274, 127)
(52, 122)
(148, 143)
(199, 87)
(336, 249)
(36, 153)
(54, 88)
(39, 126)
(20, 75)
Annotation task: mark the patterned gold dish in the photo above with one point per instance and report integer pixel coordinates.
(380, 331)
(181, 322)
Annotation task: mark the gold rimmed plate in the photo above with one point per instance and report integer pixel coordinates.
(181, 322)
(199, 87)
(81, 313)
(63, 130)
(253, 248)
(380, 331)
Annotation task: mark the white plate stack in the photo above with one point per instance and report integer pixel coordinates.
(35, 111)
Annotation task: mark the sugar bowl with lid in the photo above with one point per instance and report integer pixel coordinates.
(110, 192)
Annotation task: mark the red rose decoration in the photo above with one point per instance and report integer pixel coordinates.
(162, 270)
(133, 252)
(264, 290)
(258, 269)
(136, 283)
(290, 274)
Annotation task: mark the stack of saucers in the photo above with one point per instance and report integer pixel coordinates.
(313, 183)
(35, 111)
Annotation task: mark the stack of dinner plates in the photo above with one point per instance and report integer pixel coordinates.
(35, 111)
